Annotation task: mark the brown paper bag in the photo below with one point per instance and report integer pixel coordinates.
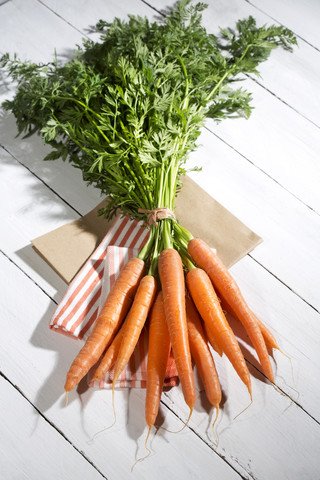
(67, 248)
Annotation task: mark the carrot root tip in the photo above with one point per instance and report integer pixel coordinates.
(112, 424)
(285, 395)
(66, 404)
(213, 425)
(100, 431)
(246, 408)
(113, 407)
(292, 374)
(146, 447)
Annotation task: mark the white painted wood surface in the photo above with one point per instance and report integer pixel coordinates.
(266, 171)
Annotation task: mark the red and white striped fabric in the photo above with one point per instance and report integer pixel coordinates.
(85, 296)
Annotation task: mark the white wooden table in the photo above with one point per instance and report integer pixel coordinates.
(266, 171)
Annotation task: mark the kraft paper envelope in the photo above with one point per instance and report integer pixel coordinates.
(67, 248)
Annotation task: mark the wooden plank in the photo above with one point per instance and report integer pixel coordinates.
(38, 33)
(29, 209)
(39, 371)
(291, 12)
(295, 326)
(31, 447)
(64, 179)
(84, 14)
(278, 141)
(35, 31)
(267, 440)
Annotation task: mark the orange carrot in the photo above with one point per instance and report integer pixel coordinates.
(269, 339)
(205, 258)
(208, 305)
(173, 288)
(110, 356)
(158, 354)
(212, 340)
(112, 314)
(271, 342)
(202, 355)
(135, 321)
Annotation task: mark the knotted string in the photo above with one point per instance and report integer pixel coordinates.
(157, 214)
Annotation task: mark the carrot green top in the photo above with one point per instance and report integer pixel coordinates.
(128, 109)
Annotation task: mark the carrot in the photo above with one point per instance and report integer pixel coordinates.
(202, 355)
(213, 341)
(269, 339)
(208, 305)
(135, 321)
(173, 288)
(205, 258)
(110, 356)
(112, 314)
(158, 354)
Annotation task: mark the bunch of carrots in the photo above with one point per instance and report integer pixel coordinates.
(127, 111)
(185, 307)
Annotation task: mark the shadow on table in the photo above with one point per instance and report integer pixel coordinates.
(29, 257)
(246, 348)
(66, 349)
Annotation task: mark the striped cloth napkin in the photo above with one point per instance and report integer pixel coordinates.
(85, 296)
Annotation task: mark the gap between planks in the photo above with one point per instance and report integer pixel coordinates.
(275, 20)
(209, 444)
(62, 18)
(40, 179)
(251, 255)
(28, 276)
(261, 169)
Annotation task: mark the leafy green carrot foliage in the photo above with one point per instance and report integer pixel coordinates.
(128, 109)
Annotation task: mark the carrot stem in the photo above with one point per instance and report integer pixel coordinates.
(167, 239)
(147, 248)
